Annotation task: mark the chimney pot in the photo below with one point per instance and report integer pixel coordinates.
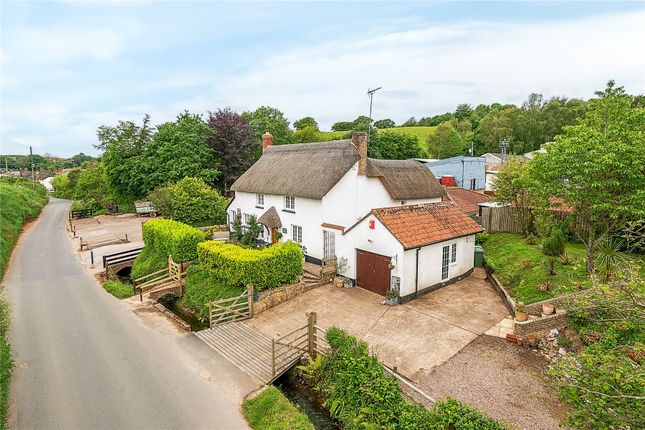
(359, 140)
(267, 140)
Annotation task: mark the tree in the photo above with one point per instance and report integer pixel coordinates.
(306, 135)
(305, 122)
(269, 119)
(342, 126)
(393, 145)
(446, 141)
(596, 167)
(179, 149)
(513, 185)
(233, 143)
(494, 127)
(362, 123)
(435, 120)
(410, 122)
(463, 111)
(93, 186)
(384, 123)
(78, 159)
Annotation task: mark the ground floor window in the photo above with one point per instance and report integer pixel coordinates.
(296, 233)
(445, 255)
(453, 253)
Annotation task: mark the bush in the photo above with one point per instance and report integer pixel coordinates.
(481, 238)
(168, 237)
(360, 395)
(191, 201)
(265, 268)
(203, 287)
(553, 245)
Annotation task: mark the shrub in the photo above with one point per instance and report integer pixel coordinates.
(553, 244)
(168, 237)
(265, 268)
(481, 238)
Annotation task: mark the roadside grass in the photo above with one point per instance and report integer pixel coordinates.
(203, 287)
(118, 289)
(6, 361)
(271, 410)
(20, 202)
(521, 267)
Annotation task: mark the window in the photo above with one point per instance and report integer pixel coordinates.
(290, 203)
(296, 233)
(473, 184)
(260, 199)
(444, 262)
(247, 219)
(453, 254)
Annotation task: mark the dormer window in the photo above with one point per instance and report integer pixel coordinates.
(290, 203)
(259, 198)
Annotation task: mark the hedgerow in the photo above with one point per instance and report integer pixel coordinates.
(264, 268)
(361, 396)
(168, 237)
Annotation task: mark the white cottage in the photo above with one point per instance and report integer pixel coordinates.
(323, 196)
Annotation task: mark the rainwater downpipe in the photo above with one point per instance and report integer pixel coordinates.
(416, 275)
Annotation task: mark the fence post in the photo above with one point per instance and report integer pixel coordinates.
(249, 293)
(311, 333)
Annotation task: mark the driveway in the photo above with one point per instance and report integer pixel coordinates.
(414, 337)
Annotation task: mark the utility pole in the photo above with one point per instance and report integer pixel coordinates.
(33, 176)
(370, 93)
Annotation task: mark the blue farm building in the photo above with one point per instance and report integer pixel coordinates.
(468, 172)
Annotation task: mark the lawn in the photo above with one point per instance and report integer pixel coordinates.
(271, 410)
(118, 289)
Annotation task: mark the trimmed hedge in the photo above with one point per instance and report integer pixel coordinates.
(361, 396)
(168, 237)
(264, 268)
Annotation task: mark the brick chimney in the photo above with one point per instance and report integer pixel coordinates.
(359, 140)
(267, 140)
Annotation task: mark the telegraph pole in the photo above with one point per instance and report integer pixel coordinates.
(370, 93)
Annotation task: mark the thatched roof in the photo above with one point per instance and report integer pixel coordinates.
(302, 170)
(312, 169)
(270, 218)
(405, 179)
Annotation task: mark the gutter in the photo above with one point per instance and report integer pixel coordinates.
(416, 275)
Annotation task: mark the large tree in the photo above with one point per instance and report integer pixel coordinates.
(446, 141)
(269, 119)
(233, 142)
(596, 167)
(305, 122)
(384, 123)
(392, 145)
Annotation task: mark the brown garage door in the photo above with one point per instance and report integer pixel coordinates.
(372, 272)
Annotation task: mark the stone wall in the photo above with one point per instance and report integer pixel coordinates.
(276, 296)
(541, 326)
(501, 292)
(558, 302)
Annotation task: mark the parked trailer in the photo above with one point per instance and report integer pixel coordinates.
(145, 207)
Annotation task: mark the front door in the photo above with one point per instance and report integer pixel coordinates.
(274, 235)
(372, 272)
(329, 245)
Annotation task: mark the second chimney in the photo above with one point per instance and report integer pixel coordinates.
(267, 140)
(359, 140)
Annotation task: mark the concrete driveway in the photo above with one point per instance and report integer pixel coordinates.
(415, 337)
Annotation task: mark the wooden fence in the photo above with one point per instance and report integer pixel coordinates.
(504, 219)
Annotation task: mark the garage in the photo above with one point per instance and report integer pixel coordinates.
(372, 272)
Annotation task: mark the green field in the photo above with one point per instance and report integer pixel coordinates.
(326, 136)
(421, 132)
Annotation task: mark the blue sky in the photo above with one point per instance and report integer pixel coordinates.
(68, 67)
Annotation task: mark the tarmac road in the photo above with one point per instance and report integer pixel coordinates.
(84, 360)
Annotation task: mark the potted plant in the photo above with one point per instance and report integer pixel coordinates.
(341, 267)
(392, 297)
(520, 314)
(548, 308)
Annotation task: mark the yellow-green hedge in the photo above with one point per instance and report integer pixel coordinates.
(168, 237)
(264, 268)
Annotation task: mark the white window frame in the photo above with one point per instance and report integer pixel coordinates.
(445, 259)
(296, 233)
(259, 199)
(290, 203)
(453, 253)
(247, 218)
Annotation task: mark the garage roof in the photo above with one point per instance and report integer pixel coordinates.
(420, 225)
(467, 200)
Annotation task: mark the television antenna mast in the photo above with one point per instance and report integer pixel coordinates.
(370, 94)
(503, 145)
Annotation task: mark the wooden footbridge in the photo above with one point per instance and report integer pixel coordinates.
(169, 280)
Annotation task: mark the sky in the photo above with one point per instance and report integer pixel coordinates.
(68, 67)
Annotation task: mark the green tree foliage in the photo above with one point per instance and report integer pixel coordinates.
(93, 188)
(410, 122)
(596, 167)
(463, 112)
(390, 145)
(305, 123)
(251, 232)
(513, 185)
(435, 120)
(447, 141)
(306, 135)
(80, 158)
(384, 123)
(605, 382)
(191, 201)
(342, 126)
(269, 119)
(233, 142)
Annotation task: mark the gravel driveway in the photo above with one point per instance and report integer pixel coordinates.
(502, 380)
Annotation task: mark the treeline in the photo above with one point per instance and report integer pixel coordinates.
(23, 162)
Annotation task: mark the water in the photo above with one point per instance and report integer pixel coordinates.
(170, 303)
(305, 400)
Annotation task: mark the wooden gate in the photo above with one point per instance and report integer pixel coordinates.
(232, 309)
(372, 272)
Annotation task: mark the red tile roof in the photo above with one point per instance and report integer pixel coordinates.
(467, 200)
(420, 225)
(333, 226)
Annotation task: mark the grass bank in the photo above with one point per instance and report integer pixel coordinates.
(271, 410)
(6, 362)
(203, 287)
(20, 202)
(118, 289)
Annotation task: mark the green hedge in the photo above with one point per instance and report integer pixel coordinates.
(361, 396)
(168, 237)
(264, 268)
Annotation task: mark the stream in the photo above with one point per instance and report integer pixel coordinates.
(302, 397)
